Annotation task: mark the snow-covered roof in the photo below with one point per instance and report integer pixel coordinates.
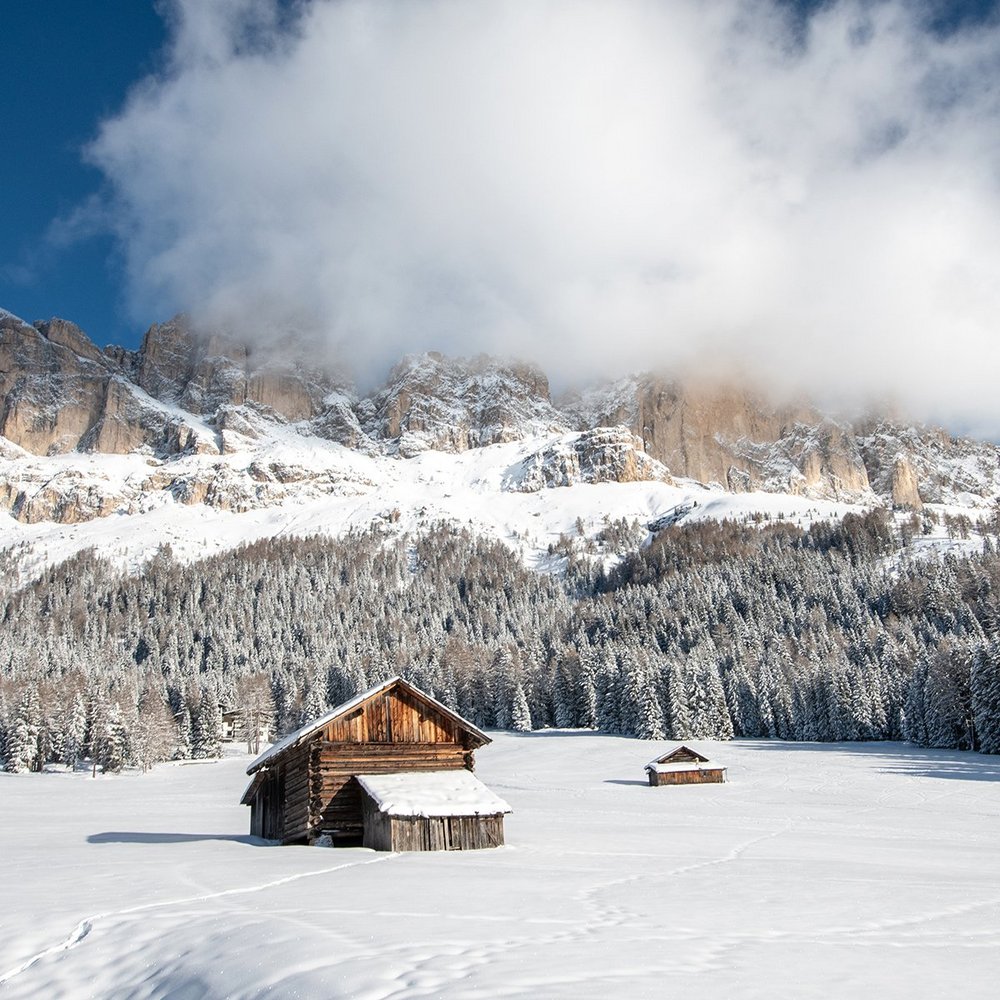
(665, 762)
(686, 765)
(432, 793)
(287, 742)
(678, 749)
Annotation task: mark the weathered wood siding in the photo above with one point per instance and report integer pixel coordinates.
(393, 716)
(392, 731)
(445, 833)
(704, 776)
(377, 832)
(429, 833)
(267, 807)
(683, 755)
(295, 776)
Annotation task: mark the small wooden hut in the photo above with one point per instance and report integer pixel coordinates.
(306, 785)
(683, 766)
(430, 811)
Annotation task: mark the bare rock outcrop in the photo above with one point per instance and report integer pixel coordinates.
(904, 489)
(50, 396)
(68, 497)
(189, 392)
(452, 404)
(603, 455)
(131, 421)
(915, 465)
(725, 434)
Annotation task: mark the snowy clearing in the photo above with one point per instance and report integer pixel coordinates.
(818, 871)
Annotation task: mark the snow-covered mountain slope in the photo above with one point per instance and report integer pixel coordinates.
(201, 442)
(129, 505)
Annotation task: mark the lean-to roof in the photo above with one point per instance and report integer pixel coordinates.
(455, 792)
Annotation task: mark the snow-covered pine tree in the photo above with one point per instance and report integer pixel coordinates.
(985, 685)
(112, 750)
(206, 727)
(520, 715)
(21, 743)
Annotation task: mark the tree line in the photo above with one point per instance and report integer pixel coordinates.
(710, 630)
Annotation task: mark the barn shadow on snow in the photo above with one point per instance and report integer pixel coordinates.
(625, 781)
(900, 758)
(134, 837)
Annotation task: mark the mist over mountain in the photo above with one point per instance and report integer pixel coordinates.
(199, 420)
(808, 194)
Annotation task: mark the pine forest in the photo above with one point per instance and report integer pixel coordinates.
(712, 630)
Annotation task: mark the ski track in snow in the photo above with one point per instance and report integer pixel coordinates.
(85, 926)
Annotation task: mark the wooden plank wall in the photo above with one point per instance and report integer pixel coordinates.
(393, 717)
(702, 777)
(683, 755)
(445, 833)
(391, 731)
(267, 807)
(377, 834)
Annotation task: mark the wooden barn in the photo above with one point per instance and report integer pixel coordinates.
(683, 766)
(307, 785)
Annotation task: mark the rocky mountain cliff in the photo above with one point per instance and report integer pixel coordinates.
(200, 412)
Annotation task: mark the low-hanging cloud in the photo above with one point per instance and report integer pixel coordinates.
(600, 186)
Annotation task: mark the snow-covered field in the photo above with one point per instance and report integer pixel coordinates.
(818, 871)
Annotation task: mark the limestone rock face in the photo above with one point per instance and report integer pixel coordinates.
(167, 359)
(50, 396)
(339, 422)
(69, 335)
(905, 492)
(603, 455)
(727, 435)
(915, 465)
(129, 422)
(68, 497)
(431, 402)
(289, 392)
(204, 372)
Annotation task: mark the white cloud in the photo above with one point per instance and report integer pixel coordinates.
(596, 185)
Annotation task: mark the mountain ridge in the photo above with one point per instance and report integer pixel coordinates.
(199, 419)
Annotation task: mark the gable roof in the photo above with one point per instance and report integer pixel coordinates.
(310, 728)
(678, 755)
(456, 792)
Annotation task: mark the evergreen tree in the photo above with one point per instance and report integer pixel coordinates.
(21, 742)
(520, 715)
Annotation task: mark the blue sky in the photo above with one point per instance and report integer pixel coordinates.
(453, 211)
(67, 65)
